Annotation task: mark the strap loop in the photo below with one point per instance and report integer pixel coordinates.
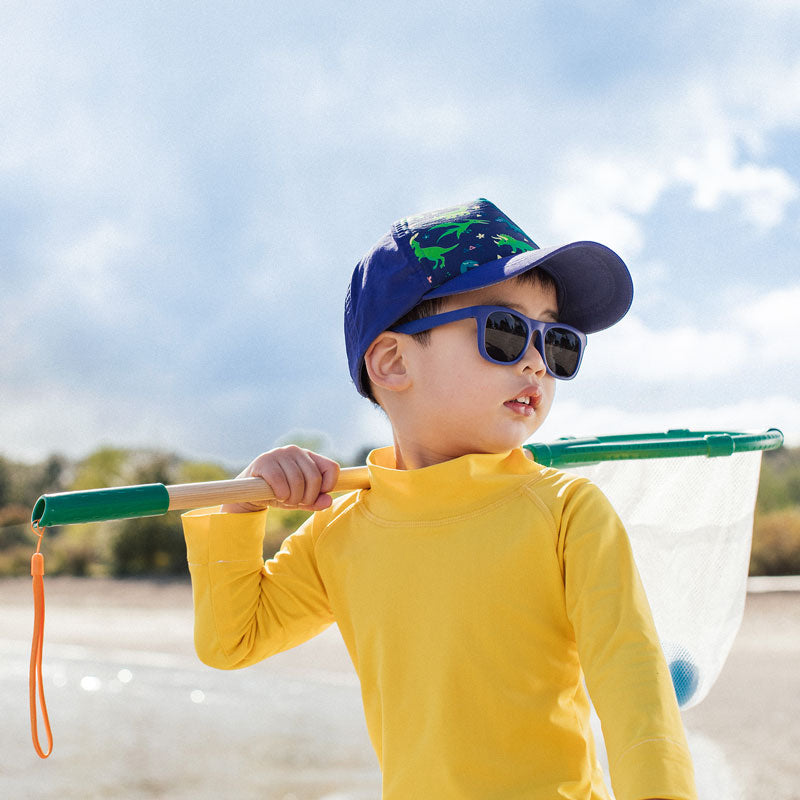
(35, 681)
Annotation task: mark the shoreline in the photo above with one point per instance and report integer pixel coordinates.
(153, 590)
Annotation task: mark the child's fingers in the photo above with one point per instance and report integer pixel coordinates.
(329, 470)
(298, 477)
(320, 475)
(302, 476)
(269, 468)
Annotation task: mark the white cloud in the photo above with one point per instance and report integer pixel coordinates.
(604, 199)
(763, 192)
(89, 264)
(643, 354)
(773, 323)
(712, 130)
(431, 124)
(780, 96)
(762, 332)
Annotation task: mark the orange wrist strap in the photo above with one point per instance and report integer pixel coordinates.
(35, 683)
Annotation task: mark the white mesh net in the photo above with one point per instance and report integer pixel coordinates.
(690, 522)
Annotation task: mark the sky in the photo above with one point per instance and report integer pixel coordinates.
(185, 188)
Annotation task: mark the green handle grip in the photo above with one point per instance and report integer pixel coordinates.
(96, 505)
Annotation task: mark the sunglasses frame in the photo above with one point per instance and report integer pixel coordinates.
(481, 314)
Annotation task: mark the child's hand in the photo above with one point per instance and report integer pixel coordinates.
(298, 477)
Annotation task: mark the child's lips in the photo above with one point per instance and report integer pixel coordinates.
(526, 402)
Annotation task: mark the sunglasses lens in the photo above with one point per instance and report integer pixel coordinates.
(505, 336)
(562, 350)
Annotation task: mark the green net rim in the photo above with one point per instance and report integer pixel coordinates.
(677, 443)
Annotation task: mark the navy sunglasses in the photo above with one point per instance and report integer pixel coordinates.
(504, 336)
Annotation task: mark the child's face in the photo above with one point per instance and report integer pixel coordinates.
(461, 403)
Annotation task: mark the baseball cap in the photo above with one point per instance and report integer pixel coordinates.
(461, 248)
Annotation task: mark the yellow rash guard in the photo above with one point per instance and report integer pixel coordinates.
(474, 597)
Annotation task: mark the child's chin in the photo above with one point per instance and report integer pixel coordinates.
(503, 444)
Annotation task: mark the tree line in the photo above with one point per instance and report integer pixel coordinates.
(776, 529)
(154, 546)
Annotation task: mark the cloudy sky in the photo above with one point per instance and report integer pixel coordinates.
(186, 186)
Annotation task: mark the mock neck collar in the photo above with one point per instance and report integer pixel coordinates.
(451, 488)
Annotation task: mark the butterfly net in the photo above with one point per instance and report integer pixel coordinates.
(690, 522)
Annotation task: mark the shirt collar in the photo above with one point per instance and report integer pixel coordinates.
(452, 488)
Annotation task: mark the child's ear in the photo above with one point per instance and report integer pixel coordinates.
(386, 363)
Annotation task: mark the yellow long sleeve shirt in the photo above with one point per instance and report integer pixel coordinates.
(474, 598)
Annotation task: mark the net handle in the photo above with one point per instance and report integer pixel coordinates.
(97, 505)
(677, 443)
(155, 499)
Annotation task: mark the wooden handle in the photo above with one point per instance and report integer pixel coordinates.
(244, 490)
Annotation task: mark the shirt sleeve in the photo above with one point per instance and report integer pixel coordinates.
(619, 650)
(246, 609)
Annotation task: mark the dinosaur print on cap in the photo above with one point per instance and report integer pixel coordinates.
(433, 253)
(455, 240)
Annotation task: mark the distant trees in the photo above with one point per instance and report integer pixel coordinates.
(776, 531)
(20, 486)
(155, 545)
(148, 546)
(152, 546)
(779, 487)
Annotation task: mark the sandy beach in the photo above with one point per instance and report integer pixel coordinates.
(136, 715)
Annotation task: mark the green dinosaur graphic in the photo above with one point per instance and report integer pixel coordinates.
(458, 227)
(434, 254)
(515, 244)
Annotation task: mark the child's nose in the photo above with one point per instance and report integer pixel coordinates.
(532, 360)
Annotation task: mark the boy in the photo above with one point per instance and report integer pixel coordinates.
(474, 589)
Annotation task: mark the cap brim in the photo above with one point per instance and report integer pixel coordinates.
(594, 286)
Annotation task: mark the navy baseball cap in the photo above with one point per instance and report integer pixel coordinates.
(453, 250)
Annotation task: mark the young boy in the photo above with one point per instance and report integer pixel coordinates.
(479, 594)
